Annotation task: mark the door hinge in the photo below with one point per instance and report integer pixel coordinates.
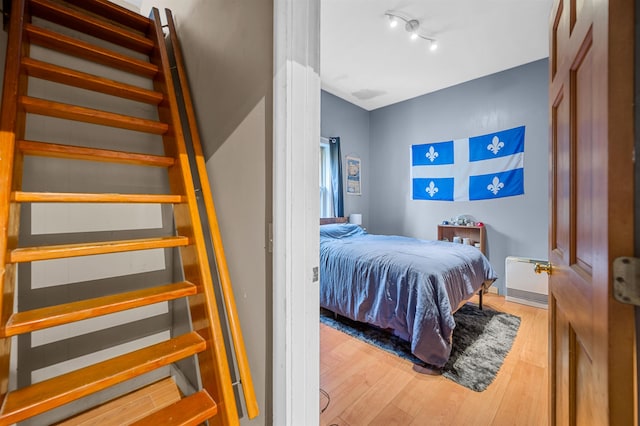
(626, 280)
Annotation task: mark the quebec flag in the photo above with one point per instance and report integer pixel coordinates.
(476, 168)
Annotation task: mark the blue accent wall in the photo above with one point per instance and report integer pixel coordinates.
(351, 123)
(516, 226)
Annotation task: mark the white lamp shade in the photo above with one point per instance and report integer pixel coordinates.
(355, 218)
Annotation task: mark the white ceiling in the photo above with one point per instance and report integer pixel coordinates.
(369, 64)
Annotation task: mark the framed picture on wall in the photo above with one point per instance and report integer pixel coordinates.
(354, 184)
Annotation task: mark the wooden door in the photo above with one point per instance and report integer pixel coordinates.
(591, 211)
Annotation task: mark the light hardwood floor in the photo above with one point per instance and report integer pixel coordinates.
(368, 386)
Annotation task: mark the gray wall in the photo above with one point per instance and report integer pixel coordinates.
(228, 50)
(351, 124)
(516, 226)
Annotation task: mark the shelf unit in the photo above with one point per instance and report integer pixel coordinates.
(477, 234)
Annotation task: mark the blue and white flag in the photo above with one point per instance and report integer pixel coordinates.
(476, 168)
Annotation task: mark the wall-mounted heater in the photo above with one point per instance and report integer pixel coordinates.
(523, 284)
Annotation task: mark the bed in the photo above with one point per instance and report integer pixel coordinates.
(407, 285)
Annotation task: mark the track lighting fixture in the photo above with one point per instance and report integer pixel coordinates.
(412, 26)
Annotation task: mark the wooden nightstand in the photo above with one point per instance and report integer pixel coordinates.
(475, 233)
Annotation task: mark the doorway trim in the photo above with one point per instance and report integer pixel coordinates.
(296, 204)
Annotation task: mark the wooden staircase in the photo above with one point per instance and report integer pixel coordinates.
(121, 31)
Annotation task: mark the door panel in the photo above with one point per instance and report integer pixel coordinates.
(561, 191)
(561, 383)
(591, 217)
(584, 389)
(581, 86)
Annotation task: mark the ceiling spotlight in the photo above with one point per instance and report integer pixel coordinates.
(412, 26)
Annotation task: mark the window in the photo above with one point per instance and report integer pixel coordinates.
(331, 198)
(326, 197)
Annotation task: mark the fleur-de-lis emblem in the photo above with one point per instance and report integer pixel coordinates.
(432, 154)
(432, 188)
(495, 145)
(496, 185)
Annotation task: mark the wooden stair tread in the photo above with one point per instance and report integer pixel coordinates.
(46, 149)
(130, 407)
(38, 319)
(31, 254)
(72, 46)
(74, 19)
(72, 197)
(113, 12)
(46, 395)
(99, 19)
(191, 410)
(90, 115)
(70, 77)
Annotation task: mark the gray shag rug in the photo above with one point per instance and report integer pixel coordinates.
(481, 340)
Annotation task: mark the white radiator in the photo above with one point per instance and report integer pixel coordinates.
(523, 284)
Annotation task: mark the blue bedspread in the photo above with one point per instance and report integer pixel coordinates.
(411, 286)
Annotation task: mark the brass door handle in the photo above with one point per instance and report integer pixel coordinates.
(543, 267)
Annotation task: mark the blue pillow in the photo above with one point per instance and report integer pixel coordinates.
(341, 230)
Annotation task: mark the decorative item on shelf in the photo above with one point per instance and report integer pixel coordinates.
(462, 220)
(355, 218)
